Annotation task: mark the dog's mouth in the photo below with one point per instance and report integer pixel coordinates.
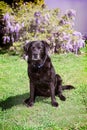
(35, 57)
(35, 60)
(38, 61)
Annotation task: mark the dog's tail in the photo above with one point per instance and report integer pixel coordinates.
(64, 87)
(67, 87)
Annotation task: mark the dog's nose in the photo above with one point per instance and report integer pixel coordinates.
(35, 57)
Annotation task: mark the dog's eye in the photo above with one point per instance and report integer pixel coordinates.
(39, 47)
(33, 48)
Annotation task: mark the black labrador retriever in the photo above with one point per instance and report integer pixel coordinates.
(43, 80)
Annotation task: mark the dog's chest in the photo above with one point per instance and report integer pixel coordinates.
(42, 75)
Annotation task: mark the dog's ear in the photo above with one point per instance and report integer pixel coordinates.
(47, 46)
(26, 47)
(26, 50)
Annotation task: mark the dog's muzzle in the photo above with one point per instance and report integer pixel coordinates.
(35, 57)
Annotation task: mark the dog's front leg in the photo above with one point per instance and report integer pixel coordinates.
(52, 90)
(31, 99)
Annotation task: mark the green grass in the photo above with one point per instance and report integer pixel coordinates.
(70, 115)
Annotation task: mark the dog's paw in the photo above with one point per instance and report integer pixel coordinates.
(29, 103)
(62, 97)
(26, 100)
(55, 104)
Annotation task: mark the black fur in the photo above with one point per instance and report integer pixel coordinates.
(43, 79)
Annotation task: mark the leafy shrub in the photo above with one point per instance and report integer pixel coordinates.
(4, 8)
(16, 49)
(57, 30)
(37, 22)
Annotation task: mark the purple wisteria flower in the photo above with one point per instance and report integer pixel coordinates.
(8, 23)
(47, 17)
(6, 30)
(22, 24)
(66, 37)
(37, 21)
(11, 28)
(78, 34)
(42, 30)
(8, 39)
(75, 48)
(72, 45)
(71, 13)
(17, 28)
(81, 43)
(67, 46)
(77, 45)
(12, 39)
(37, 14)
(6, 17)
(4, 39)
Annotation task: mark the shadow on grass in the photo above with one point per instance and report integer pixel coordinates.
(13, 101)
(17, 100)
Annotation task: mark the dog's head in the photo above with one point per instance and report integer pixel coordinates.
(36, 51)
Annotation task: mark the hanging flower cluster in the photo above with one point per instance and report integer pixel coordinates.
(58, 32)
(10, 29)
(43, 24)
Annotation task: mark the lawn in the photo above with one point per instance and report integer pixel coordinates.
(14, 88)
